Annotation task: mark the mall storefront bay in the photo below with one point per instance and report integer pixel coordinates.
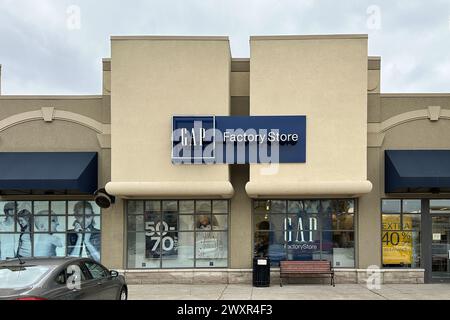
(188, 165)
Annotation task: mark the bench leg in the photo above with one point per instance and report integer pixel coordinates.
(281, 282)
(332, 280)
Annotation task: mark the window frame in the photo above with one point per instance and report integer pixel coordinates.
(85, 263)
(193, 232)
(319, 230)
(66, 215)
(401, 213)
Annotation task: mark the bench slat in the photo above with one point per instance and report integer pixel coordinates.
(311, 272)
(292, 269)
(305, 267)
(305, 271)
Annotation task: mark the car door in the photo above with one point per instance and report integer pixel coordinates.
(68, 284)
(105, 289)
(112, 285)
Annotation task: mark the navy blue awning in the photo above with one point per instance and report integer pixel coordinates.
(48, 173)
(417, 171)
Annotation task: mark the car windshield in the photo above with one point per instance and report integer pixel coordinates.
(16, 277)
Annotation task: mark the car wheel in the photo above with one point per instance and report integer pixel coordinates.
(123, 294)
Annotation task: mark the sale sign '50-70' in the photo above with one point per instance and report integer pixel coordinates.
(161, 238)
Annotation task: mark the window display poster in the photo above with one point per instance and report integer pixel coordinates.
(397, 245)
(161, 238)
(49, 229)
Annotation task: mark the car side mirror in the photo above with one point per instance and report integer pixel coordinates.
(113, 274)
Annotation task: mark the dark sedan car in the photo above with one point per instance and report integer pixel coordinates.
(59, 279)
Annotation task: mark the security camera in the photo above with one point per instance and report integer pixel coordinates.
(103, 199)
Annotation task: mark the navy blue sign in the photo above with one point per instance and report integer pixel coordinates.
(239, 140)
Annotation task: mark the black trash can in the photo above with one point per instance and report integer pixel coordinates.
(261, 272)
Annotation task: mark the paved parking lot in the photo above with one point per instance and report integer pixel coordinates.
(289, 292)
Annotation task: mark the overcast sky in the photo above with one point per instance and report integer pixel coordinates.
(47, 48)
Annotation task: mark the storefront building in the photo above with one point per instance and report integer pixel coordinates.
(352, 176)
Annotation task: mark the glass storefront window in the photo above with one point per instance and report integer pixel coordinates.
(220, 222)
(391, 206)
(136, 223)
(299, 222)
(135, 207)
(7, 217)
(183, 257)
(57, 223)
(203, 207)
(295, 206)
(90, 207)
(439, 206)
(412, 206)
(343, 221)
(170, 206)
(151, 206)
(312, 206)
(186, 222)
(139, 252)
(41, 207)
(412, 221)
(277, 222)
(261, 243)
(151, 219)
(262, 207)
(9, 243)
(277, 206)
(187, 207)
(50, 229)
(220, 206)
(401, 249)
(178, 234)
(203, 222)
(303, 245)
(391, 222)
(41, 222)
(58, 207)
(50, 245)
(305, 230)
(343, 206)
(338, 246)
(401, 232)
(211, 249)
(172, 221)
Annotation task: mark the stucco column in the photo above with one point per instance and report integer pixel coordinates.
(241, 220)
(113, 235)
(369, 219)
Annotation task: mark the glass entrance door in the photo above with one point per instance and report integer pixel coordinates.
(440, 248)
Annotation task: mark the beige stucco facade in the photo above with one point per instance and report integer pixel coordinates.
(329, 79)
(324, 78)
(397, 122)
(152, 80)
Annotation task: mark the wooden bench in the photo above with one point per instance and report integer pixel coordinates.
(297, 269)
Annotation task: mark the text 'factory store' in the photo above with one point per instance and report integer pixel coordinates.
(190, 163)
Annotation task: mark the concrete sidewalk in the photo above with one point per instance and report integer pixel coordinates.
(289, 292)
